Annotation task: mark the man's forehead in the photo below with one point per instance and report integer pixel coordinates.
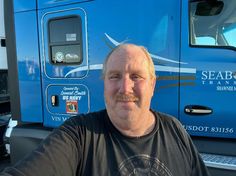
(127, 53)
(127, 61)
(127, 64)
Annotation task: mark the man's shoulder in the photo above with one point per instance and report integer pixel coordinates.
(166, 118)
(169, 122)
(92, 120)
(92, 115)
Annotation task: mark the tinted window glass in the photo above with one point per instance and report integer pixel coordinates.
(65, 40)
(213, 23)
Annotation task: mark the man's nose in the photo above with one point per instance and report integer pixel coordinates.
(126, 85)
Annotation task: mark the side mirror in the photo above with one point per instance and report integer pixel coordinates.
(209, 8)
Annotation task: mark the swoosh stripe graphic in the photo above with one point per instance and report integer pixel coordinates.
(152, 55)
(85, 68)
(159, 68)
(176, 85)
(174, 69)
(160, 78)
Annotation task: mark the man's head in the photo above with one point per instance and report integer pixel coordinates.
(129, 82)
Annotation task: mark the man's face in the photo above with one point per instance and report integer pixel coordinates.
(128, 86)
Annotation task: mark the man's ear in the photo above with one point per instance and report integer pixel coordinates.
(153, 84)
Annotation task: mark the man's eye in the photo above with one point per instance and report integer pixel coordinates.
(136, 77)
(114, 77)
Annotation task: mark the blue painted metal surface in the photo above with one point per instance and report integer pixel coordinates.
(29, 66)
(214, 71)
(24, 5)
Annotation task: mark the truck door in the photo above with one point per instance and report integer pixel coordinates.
(64, 62)
(207, 108)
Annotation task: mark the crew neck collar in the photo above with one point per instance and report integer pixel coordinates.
(115, 131)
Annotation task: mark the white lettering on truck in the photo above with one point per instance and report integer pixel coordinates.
(222, 80)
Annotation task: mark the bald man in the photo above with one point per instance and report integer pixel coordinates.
(127, 138)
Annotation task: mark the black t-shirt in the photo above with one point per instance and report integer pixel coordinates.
(89, 145)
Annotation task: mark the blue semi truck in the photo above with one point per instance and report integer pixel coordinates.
(56, 50)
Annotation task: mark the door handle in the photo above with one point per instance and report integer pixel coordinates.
(197, 110)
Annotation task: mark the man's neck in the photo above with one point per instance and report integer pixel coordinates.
(137, 129)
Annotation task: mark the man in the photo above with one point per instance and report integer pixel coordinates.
(125, 139)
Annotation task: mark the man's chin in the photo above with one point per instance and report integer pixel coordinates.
(123, 110)
(126, 112)
(129, 106)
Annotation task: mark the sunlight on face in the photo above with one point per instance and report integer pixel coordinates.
(128, 84)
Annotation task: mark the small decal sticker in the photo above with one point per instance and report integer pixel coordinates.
(72, 107)
(59, 56)
(71, 37)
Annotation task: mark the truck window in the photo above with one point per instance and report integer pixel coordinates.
(212, 23)
(65, 45)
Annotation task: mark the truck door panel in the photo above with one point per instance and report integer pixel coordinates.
(64, 63)
(208, 45)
